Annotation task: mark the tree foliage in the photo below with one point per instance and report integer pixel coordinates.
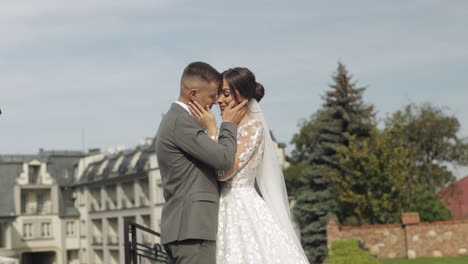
(372, 186)
(343, 115)
(433, 136)
(343, 164)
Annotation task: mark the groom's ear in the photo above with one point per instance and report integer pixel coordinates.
(193, 95)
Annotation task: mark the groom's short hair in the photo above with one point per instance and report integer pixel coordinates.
(200, 71)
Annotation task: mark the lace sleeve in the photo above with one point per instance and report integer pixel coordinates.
(249, 147)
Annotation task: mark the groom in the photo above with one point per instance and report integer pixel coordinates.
(187, 159)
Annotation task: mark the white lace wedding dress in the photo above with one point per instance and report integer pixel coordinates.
(247, 230)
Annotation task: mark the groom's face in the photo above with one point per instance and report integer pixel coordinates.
(207, 94)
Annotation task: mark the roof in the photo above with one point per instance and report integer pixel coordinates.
(121, 164)
(8, 173)
(455, 197)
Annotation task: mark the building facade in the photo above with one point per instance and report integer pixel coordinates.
(111, 188)
(62, 207)
(38, 222)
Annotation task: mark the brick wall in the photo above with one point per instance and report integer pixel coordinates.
(448, 238)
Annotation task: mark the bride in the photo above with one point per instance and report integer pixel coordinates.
(251, 229)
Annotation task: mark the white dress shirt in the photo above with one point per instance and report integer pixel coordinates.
(184, 106)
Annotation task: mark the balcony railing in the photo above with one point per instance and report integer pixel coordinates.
(138, 253)
(42, 209)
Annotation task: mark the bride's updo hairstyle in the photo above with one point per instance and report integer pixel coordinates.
(242, 82)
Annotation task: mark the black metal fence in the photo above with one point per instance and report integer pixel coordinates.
(140, 247)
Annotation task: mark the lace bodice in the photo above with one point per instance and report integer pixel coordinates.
(250, 147)
(248, 231)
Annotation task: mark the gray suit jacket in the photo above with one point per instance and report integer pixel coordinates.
(187, 159)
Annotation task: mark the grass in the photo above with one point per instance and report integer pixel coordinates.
(349, 252)
(448, 260)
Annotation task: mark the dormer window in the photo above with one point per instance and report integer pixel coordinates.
(33, 176)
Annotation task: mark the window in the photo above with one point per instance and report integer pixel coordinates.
(81, 197)
(70, 228)
(128, 194)
(72, 256)
(33, 174)
(40, 202)
(83, 228)
(24, 197)
(83, 256)
(27, 230)
(95, 199)
(45, 230)
(159, 192)
(2, 235)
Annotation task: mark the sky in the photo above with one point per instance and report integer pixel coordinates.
(94, 74)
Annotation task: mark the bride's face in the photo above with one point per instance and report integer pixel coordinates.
(225, 96)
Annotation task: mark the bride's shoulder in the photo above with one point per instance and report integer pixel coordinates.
(252, 123)
(256, 123)
(251, 126)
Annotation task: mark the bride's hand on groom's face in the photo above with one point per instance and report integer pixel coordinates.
(205, 117)
(235, 113)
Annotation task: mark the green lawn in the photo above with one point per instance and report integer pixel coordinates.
(452, 260)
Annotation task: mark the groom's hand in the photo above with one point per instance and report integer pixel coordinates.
(235, 113)
(205, 117)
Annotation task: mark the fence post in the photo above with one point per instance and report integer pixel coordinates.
(134, 244)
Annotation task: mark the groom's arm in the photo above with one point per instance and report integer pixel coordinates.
(191, 138)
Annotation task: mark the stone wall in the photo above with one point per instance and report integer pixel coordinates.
(448, 238)
(382, 241)
(436, 239)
